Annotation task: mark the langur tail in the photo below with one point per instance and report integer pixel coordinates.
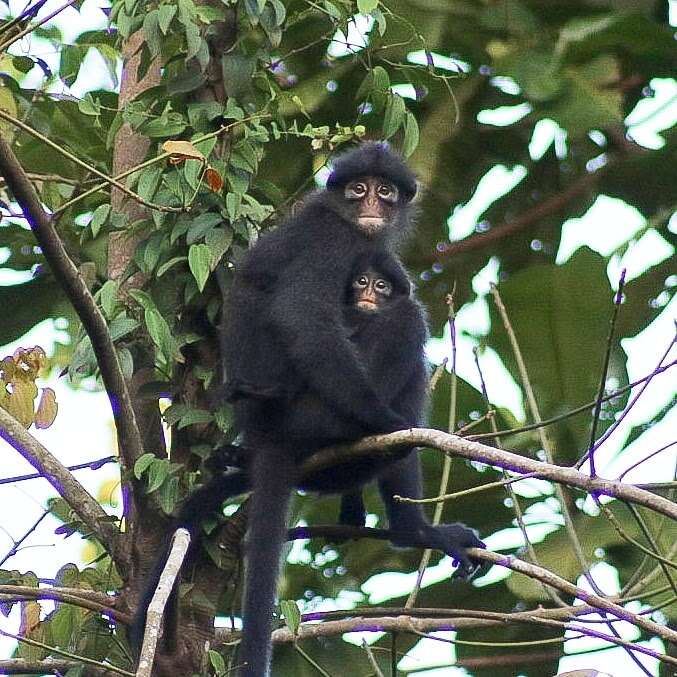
(273, 476)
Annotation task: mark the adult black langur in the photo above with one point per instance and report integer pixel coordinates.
(287, 347)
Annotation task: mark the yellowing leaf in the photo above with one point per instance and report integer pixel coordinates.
(182, 151)
(21, 402)
(47, 409)
(30, 617)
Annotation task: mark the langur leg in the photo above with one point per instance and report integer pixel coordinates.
(409, 524)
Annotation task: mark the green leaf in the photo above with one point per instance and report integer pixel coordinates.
(380, 21)
(151, 29)
(410, 135)
(71, 60)
(238, 71)
(365, 87)
(366, 6)
(292, 615)
(122, 326)
(99, 217)
(157, 474)
(238, 180)
(280, 11)
(126, 361)
(198, 262)
(201, 225)
(142, 464)
(537, 71)
(108, 297)
(165, 15)
(144, 299)
(168, 495)
(218, 241)
(333, 10)
(149, 180)
(233, 201)
(159, 331)
(169, 264)
(23, 63)
(216, 659)
(394, 116)
(193, 416)
(88, 106)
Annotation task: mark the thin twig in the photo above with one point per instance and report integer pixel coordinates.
(73, 158)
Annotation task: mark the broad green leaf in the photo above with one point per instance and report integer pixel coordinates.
(233, 201)
(394, 116)
(149, 180)
(108, 297)
(410, 135)
(218, 241)
(366, 6)
(151, 30)
(159, 331)
(165, 15)
(198, 262)
(170, 264)
(216, 659)
(142, 464)
(291, 613)
(201, 225)
(193, 416)
(157, 474)
(381, 78)
(122, 326)
(99, 217)
(71, 60)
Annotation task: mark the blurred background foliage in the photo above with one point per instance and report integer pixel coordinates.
(514, 115)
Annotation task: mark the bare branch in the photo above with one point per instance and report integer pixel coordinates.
(86, 599)
(156, 608)
(407, 623)
(482, 453)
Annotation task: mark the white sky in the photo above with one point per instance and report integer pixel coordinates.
(83, 429)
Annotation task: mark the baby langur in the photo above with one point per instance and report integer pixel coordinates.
(371, 291)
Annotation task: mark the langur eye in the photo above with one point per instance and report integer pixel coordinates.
(355, 191)
(387, 192)
(382, 286)
(362, 281)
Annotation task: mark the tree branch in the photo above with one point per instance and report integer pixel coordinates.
(533, 215)
(92, 514)
(129, 438)
(86, 599)
(156, 608)
(482, 453)
(406, 622)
